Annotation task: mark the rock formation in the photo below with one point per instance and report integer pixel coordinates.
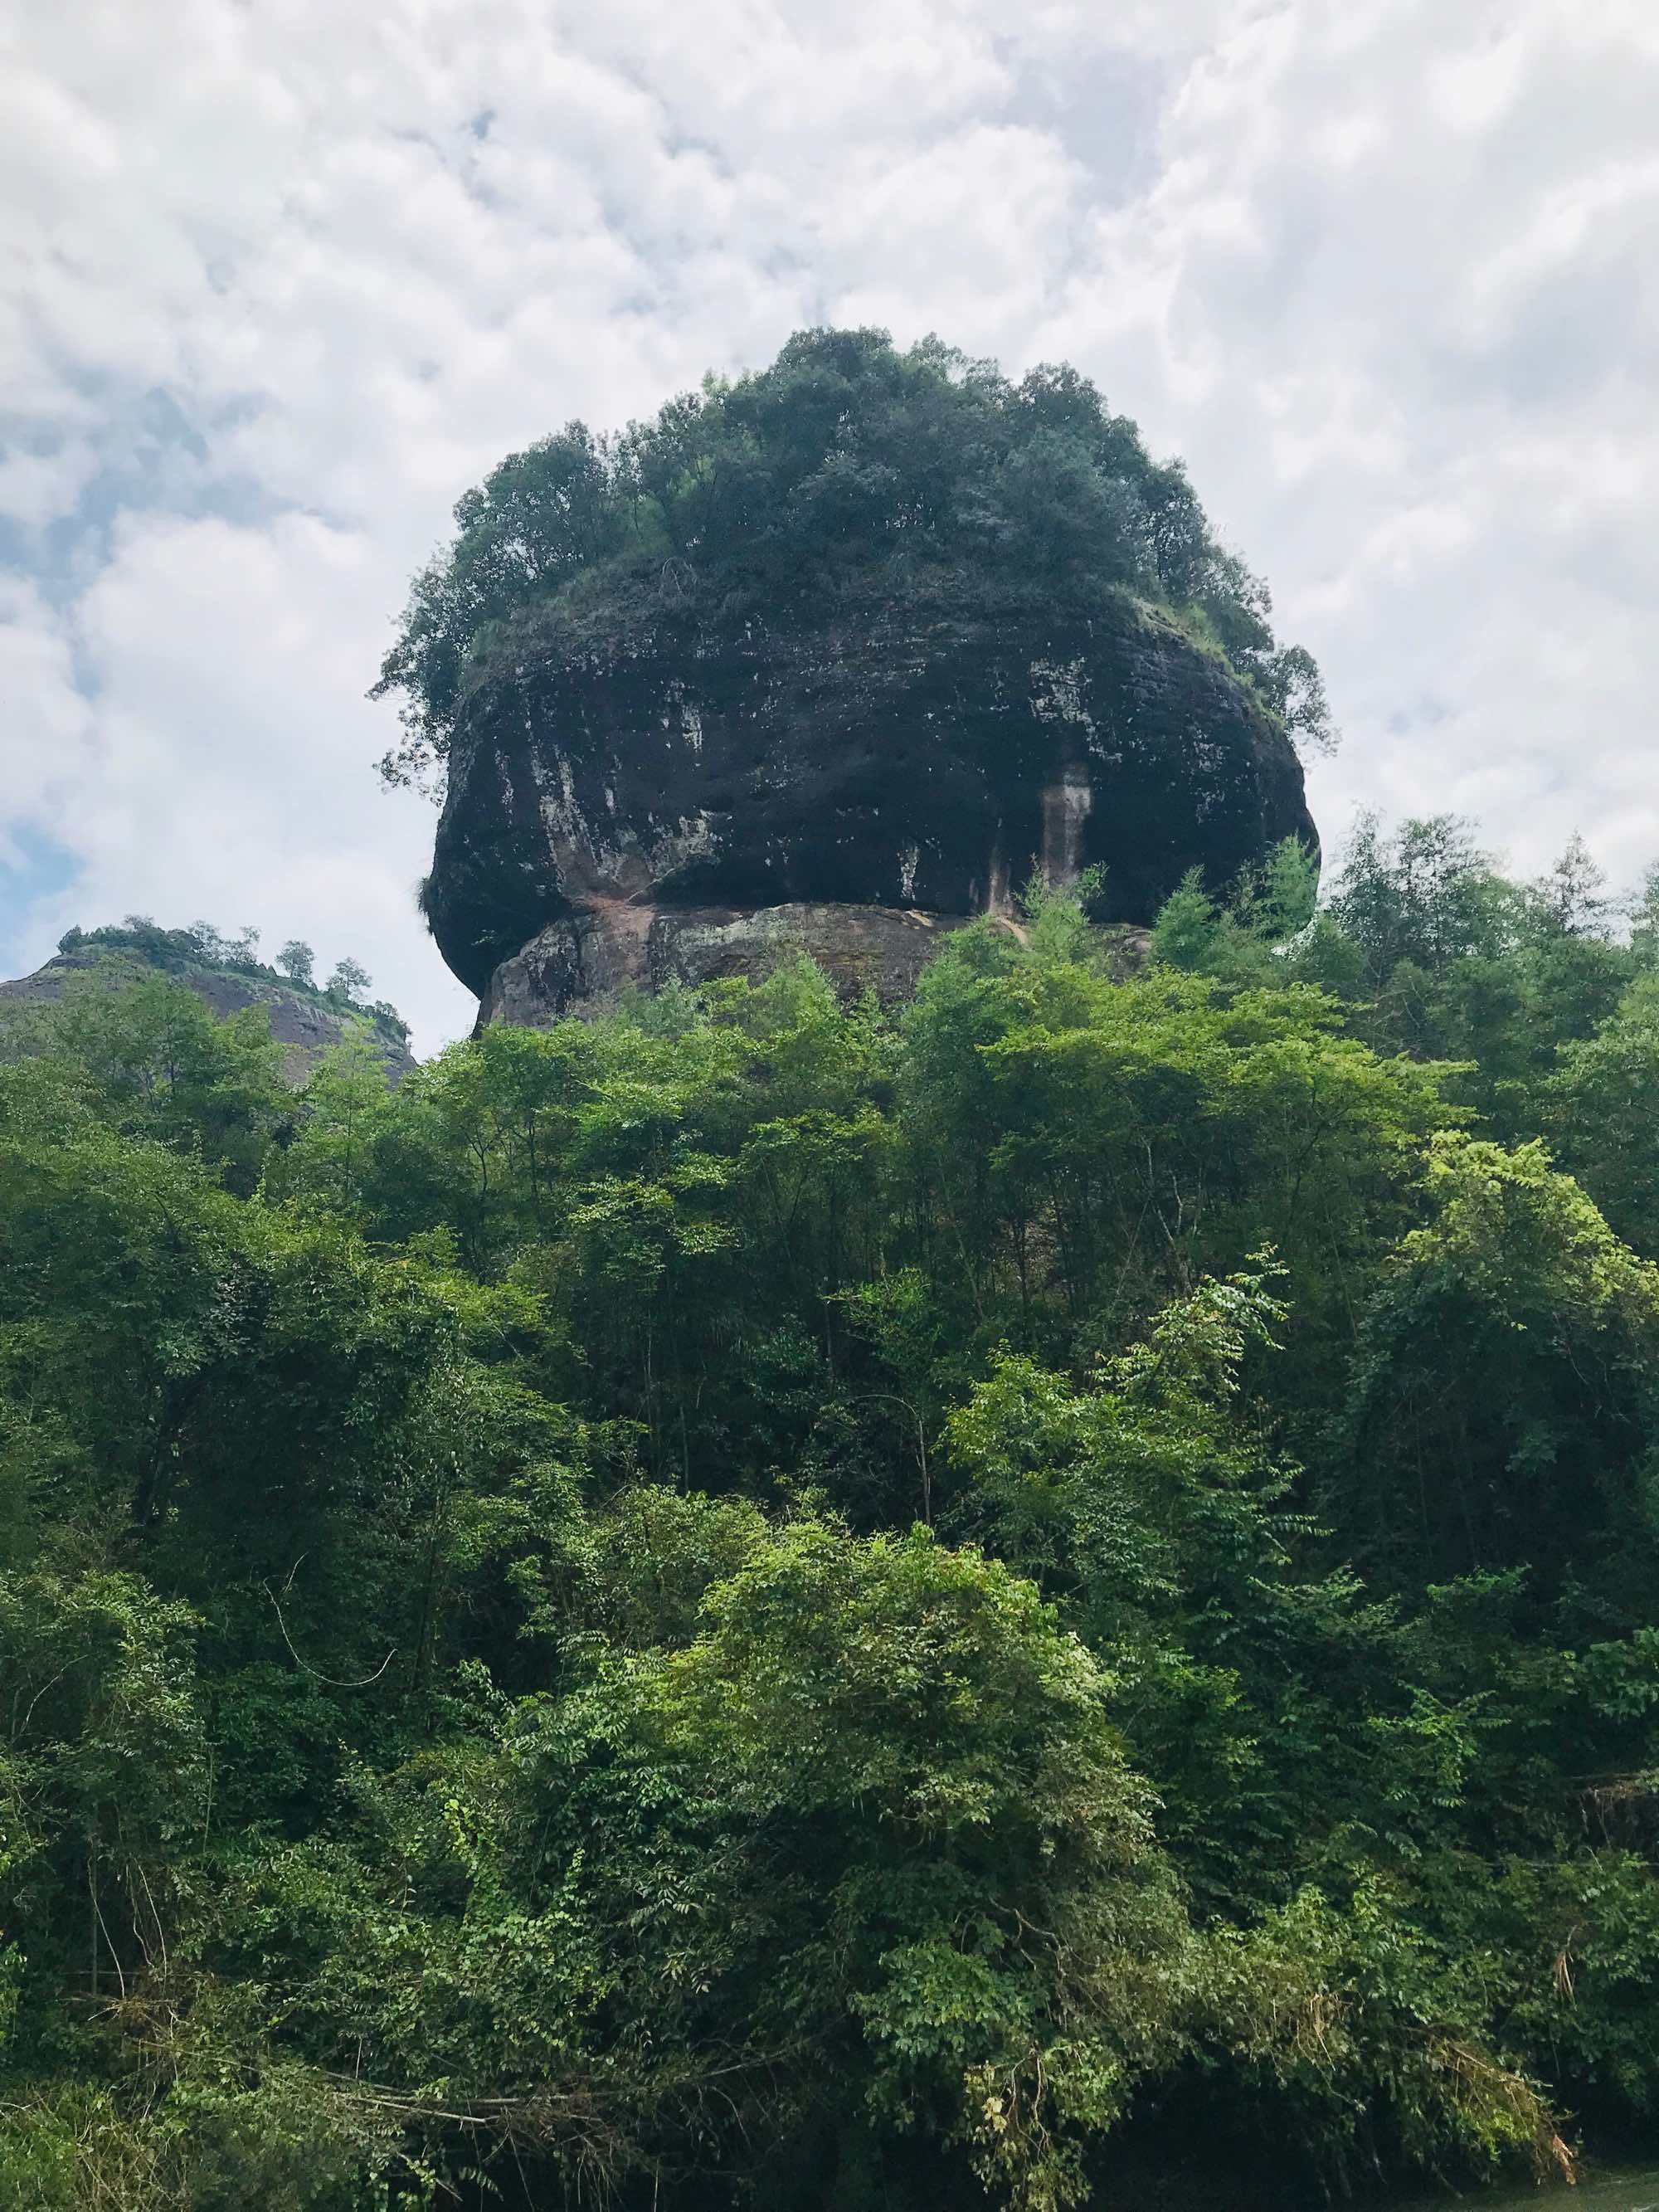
(689, 805)
(301, 1022)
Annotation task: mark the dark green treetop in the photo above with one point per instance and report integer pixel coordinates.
(847, 470)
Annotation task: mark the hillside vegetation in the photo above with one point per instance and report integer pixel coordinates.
(759, 1603)
(203, 950)
(846, 474)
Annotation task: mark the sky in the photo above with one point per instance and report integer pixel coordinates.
(280, 279)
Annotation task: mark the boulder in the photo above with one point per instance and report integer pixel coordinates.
(691, 802)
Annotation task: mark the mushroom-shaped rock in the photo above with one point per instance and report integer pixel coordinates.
(688, 803)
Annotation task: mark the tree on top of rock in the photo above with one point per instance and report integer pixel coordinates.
(847, 470)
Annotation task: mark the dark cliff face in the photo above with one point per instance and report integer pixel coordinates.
(602, 805)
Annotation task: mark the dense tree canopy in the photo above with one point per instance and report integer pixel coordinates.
(763, 1604)
(847, 470)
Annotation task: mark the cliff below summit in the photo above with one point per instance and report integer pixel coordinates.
(688, 802)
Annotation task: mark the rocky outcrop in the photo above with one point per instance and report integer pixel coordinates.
(586, 961)
(690, 804)
(300, 1024)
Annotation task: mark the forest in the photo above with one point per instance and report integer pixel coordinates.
(768, 1603)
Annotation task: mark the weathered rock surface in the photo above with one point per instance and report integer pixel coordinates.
(685, 807)
(585, 961)
(303, 1028)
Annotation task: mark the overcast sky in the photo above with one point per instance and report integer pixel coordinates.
(282, 277)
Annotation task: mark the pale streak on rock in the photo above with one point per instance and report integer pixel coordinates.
(690, 801)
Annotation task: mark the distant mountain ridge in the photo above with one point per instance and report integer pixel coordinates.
(227, 977)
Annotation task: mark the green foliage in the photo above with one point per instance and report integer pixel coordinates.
(1509, 1349)
(139, 943)
(1457, 962)
(350, 980)
(1596, 1111)
(760, 1603)
(298, 961)
(149, 1059)
(846, 468)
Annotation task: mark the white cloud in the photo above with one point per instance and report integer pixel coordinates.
(46, 735)
(1390, 293)
(221, 770)
(285, 280)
